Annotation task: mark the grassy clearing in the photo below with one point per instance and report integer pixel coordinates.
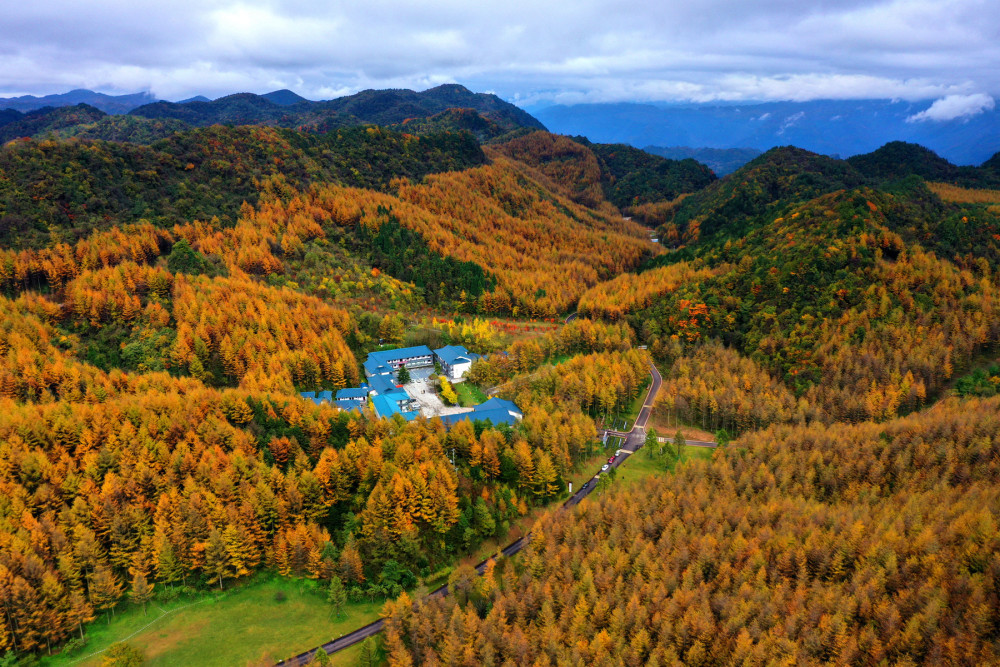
(668, 427)
(245, 625)
(645, 463)
(469, 395)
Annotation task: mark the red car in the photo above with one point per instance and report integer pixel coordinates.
(611, 460)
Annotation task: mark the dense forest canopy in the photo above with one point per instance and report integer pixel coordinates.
(792, 548)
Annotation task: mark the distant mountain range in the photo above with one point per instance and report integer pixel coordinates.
(286, 108)
(448, 107)
(707, 132)
(720, 160)
(380, 107)
(832, 127)
(110, 104)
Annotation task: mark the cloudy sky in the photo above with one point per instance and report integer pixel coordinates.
(532, 52)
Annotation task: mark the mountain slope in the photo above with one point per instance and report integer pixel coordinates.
(849, 545)
(594, 174)
(897, 160)
(824, 292)
(73, 187)
(48, 119)
(757, 193)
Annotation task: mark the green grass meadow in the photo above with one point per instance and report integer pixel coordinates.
(247, 625)
(469, 395)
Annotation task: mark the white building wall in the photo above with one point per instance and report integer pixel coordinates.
(457, 370)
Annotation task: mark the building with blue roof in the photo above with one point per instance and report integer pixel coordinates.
(455, 360)
(381, 384)
(384, 362)
(352, 394)
(386, 406)
(495, 410)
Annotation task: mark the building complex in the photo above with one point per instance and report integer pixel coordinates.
(389, 398)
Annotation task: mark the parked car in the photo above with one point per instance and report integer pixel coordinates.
(611, 460)
(585, 485)
(604, 468)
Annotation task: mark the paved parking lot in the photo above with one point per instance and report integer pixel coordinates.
(423, 392)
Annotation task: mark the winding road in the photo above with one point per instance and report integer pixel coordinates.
(634, 439)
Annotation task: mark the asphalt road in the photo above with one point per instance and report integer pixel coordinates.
(634, 440)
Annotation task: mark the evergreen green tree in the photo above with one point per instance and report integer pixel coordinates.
(336, 595)
(679, 442)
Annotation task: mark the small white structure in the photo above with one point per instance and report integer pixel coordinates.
(455, 360)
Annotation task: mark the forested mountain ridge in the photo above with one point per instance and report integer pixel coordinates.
(593, 174)
(897, 160)
(822, 290)
(379, 107)
(71, 187)
(47, 120)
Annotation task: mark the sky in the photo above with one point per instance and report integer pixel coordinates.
(531, 52)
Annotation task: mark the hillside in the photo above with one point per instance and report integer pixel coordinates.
(822, 291)
(72, 187)
(49, 120)
(897, 160)
(591, 174)
(757, 193)
(793, 547)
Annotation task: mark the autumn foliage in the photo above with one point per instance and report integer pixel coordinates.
(795, 545)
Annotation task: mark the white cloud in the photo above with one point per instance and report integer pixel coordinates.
(955, 106)
(791, 120)
(535, 52)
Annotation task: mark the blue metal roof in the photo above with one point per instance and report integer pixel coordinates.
(351, 404)
(382, 384)
(351, 393)
(386, 406)
(495, 416)
(498, 404)
(449, 354)
(324, 395)
(308, 394)
(375, 367)
(387, 356)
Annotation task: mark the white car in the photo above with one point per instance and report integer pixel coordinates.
(604, 468)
